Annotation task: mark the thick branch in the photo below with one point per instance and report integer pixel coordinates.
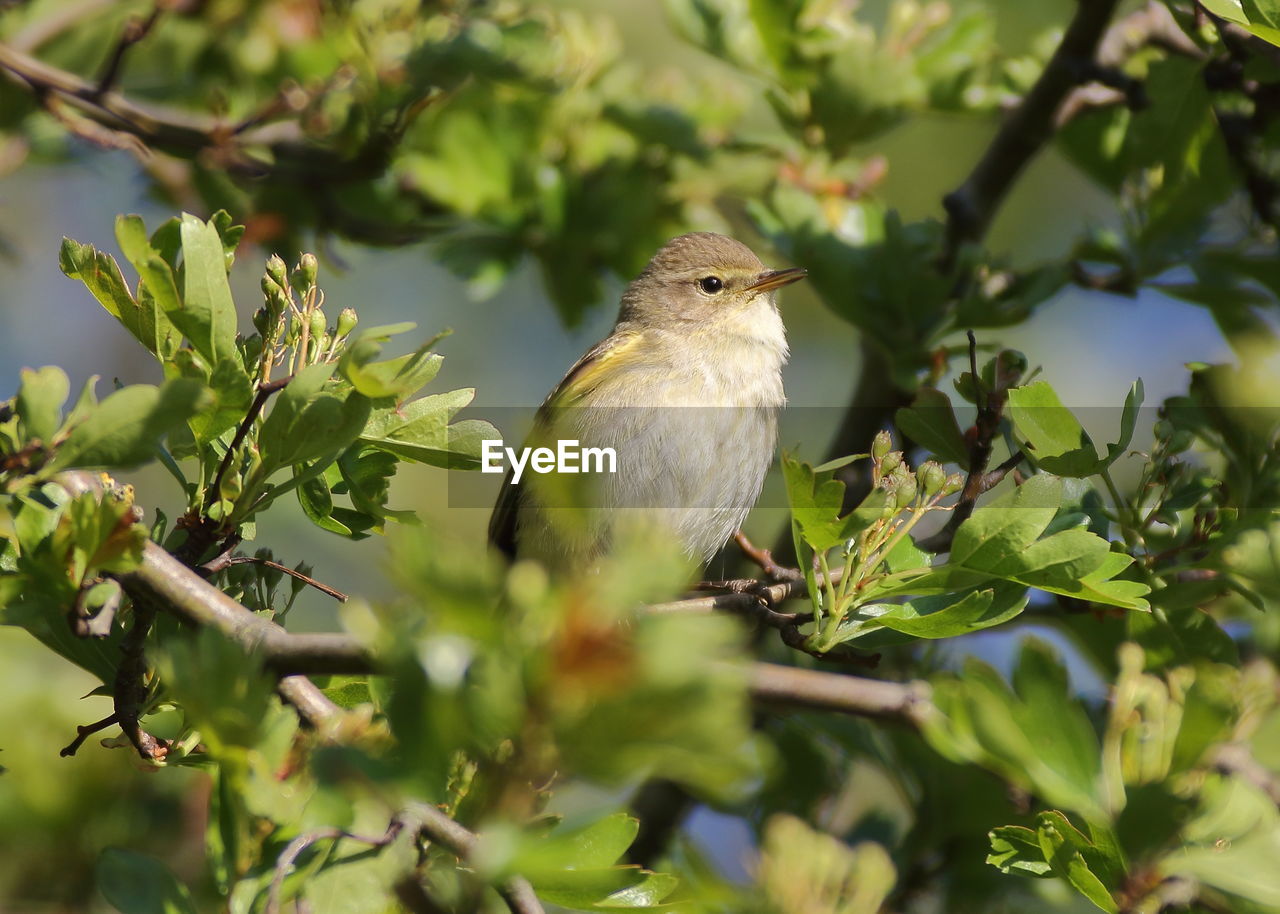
(772, 684)
(972, 207)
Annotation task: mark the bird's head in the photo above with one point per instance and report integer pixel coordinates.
(702, 280)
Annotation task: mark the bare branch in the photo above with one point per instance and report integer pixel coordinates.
(135, 29)
(772, 684)
(290, 155)
(291, 572)
(972, 207)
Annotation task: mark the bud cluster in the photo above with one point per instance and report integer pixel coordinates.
(908, 496)
(292, 322)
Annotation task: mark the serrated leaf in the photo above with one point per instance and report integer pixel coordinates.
(310, 419)
(157, 287)
(394, 378)
(1057, 441)
(944, 615)
(1063, 847)
(998, 531)
(124, 429)
(421, 431)
(1015, 849)
(102, 277)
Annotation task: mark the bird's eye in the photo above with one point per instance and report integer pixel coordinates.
(711, 284)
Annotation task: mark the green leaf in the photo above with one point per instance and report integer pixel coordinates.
(1001, 530)
(207, 316)
(421, 431)
(595, 889)
(231, 397)
(1056, 441)
(101, 275)
(816, 499)
(1015, 849)
(396, 378)
(41, 394)
(124, 429)
(931, 423)
(311, 418)
(944, 615)
(1055, 561)
(1065, 847)
(157, 288)
(317, 501)
(138, 884)
(1128, 422)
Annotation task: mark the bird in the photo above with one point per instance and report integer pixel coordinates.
(685, 389)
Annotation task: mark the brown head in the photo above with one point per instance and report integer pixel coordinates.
(702, 279)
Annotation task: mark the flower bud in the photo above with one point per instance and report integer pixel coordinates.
(346, 321)
(890, 462)
(262, 321)
(304, 275)
(295, 329)
(317, 324)
(955, 482)
(905, 490)
(932, 477)
(881, 445)
(276, 271)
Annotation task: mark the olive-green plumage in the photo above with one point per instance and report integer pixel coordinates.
(686, 389)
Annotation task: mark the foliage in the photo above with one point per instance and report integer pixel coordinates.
(1127, 761)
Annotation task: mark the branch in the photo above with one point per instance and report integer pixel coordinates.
(134, 30)
(772, 684)
(981, 438)
(972, 207)
(435, 825)
(264, 393)
(290, 156)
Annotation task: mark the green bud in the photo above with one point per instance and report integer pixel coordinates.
(905, 491)
(881, 445)
(295, 328)
(932, 477)
(890, 462)
(346, 321)
(304, 274)
(1179, 441)
(276, 271)
(322, 342)
(891, 504)
(277, 300)
(262, 321)
(1163, 429)
(317, 324)
(955, 482)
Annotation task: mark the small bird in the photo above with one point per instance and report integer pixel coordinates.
(685, 389)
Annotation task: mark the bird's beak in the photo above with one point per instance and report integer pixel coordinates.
(773, 279)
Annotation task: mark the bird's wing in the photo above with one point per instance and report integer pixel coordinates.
(586, 374)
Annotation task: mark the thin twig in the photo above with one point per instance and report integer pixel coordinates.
(84, 731)
(981, 438)
(226, 560)
(134, 30)
(764, 559)
(264, 393)
(295, 848)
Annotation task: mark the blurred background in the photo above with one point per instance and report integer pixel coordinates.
(512, 346)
